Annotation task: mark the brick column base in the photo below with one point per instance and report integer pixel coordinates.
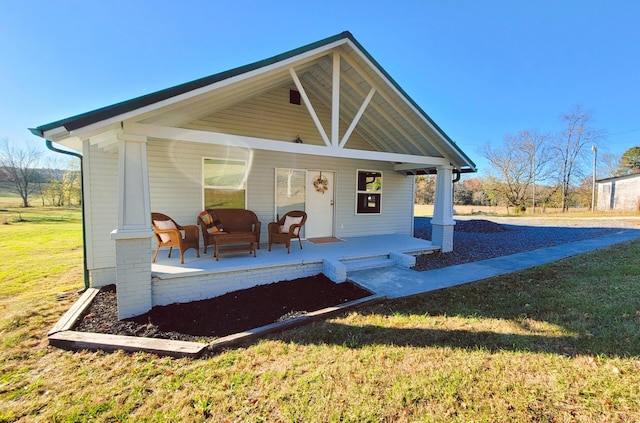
(133, 275)
(442, 235)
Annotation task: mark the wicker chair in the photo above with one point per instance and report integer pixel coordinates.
(287, 228)
(168, 234)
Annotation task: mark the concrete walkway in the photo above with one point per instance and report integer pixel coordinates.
(396, 282)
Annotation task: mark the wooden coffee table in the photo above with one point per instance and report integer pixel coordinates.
(245, 241)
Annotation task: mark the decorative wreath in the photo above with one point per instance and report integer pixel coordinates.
(321, 184)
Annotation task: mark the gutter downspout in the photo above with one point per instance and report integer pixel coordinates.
(457, 174)
(84, 235)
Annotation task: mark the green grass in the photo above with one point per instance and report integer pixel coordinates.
(38, 243)
(555, 343)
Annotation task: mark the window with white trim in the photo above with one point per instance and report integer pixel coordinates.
(368, 191)
(224, 183)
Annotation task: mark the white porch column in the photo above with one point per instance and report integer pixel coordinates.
(133, 236)
(442, 223)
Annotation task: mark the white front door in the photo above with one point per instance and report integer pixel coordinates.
(319, 204)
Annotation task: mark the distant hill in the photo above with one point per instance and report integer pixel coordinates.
(8, 190)
(47, 174)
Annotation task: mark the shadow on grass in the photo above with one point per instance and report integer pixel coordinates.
(357, 336)
(362, 336)
(585, 305)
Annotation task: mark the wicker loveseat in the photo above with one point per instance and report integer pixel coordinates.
(222, 222)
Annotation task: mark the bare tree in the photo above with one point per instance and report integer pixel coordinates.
(609, 165)
(517, 165)
(571, 147)
(21, 167)
(538, 159)
(547, 196)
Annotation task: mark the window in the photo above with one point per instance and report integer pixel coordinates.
(224, 183)
(369, 192)
(290, 190)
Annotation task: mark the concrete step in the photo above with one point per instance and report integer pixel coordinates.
(369, 263)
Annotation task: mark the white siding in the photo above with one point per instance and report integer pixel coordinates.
(628, 194)
(175, 179)
(175, 171)
(175, 182)
(101, 204)
(271, 116)
(621, 194)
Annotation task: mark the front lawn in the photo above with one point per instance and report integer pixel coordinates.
(555, 343)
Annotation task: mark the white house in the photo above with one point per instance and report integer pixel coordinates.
(620, 193)
(327, 108)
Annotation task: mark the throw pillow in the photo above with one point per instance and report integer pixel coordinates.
(218, 225)
(206, 218)
(290, 221)
(215, 222)
(162, 225)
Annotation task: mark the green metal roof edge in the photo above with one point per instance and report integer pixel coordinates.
(97, 115)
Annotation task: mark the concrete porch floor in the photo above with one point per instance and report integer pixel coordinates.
(352, 248)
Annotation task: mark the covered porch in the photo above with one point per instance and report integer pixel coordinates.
(323, 112)
(204, 277)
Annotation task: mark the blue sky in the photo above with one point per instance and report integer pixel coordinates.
(480, 69)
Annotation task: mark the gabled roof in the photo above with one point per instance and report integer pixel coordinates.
(389, 132)
(88, 118)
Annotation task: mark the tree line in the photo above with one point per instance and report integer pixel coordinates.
(529, 169)
(539, 170)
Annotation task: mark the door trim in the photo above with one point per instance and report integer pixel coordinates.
(332, 201)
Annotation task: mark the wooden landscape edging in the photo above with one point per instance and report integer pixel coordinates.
(304, 319)
(63, 337)
(69, 339)
(68, 319)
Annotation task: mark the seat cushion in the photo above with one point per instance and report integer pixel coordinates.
(215, 229)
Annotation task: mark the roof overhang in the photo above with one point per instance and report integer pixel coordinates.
(367, 99)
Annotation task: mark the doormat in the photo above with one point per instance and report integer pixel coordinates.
(324, 240)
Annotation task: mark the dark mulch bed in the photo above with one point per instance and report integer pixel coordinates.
(230, 313)
(251, 308)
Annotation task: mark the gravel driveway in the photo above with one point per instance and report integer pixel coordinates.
(483, 237)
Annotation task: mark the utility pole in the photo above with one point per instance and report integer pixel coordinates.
(593, 183)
